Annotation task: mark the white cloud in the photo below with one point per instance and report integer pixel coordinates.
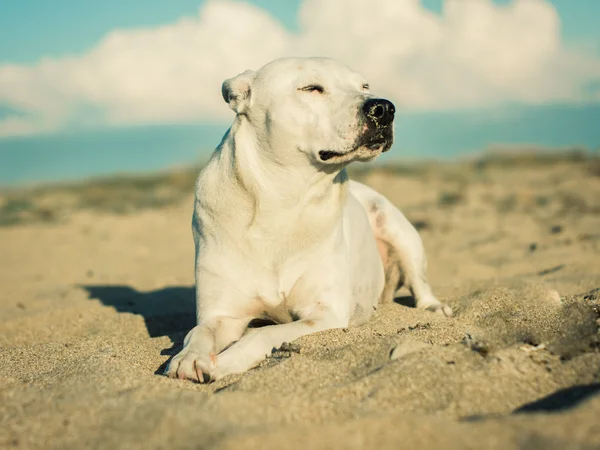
(475, 54)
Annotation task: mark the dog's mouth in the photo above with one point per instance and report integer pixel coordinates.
(374, 144)
(326, 155)
(373, 141)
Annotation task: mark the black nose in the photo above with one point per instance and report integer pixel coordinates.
(379, 110)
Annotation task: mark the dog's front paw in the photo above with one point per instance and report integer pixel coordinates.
(189, 365)
(440, 308)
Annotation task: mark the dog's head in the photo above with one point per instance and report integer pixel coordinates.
(312, 107)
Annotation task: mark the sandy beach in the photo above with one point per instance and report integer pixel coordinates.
(97, 294)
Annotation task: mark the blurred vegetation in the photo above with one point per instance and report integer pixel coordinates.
(130, 193)
(117, 195)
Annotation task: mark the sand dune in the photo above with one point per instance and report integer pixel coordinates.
(95, 300)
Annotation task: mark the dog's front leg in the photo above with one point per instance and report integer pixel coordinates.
(258, 343)
(197, 360)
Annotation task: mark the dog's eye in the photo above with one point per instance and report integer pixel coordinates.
(365, 87)
(313, 88)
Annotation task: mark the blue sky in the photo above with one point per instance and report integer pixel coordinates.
(30, 29)
(34, 29)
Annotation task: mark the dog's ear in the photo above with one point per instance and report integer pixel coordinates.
(237, 91)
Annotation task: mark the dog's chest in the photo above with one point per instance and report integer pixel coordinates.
(279, 235)
(285, 293)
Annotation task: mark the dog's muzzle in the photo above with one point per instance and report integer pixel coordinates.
(377, 119)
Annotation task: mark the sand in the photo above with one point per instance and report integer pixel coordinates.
(95, 301)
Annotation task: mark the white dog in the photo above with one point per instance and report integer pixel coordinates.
(280, 232)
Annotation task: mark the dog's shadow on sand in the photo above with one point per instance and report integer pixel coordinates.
(167, 312)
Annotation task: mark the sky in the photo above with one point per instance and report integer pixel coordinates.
(91, 88)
